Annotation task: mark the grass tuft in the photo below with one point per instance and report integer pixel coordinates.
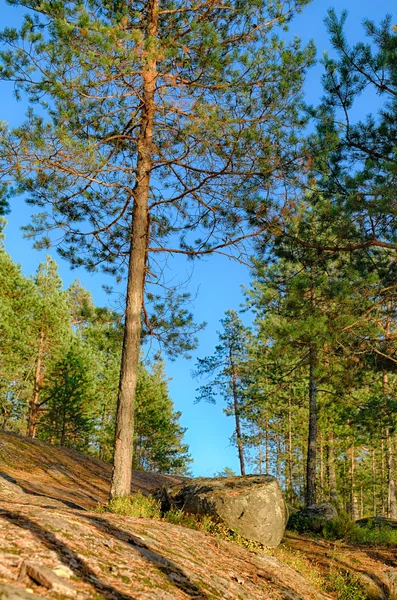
(343, 528)
(137, 505)
(345, 586)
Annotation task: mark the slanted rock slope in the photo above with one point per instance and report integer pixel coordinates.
(49, 532)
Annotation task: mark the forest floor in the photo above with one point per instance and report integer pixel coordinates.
(54, 543)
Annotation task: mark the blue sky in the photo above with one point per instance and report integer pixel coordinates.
(215, 282)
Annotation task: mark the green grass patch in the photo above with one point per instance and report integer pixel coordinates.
(136, 505)
(345, 586)
(343, 528)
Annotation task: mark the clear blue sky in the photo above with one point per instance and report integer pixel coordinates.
(216, 280)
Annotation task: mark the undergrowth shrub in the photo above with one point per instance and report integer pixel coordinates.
(136, 505)
(373, 536)
(345, 586)
(343, 528)
(339, 528)
(207, 524)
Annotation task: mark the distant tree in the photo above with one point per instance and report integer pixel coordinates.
(18, 304)
(225, 371)
(50, 323)
(226, 472)
(69, 396)
(161, 129)
(159, 442)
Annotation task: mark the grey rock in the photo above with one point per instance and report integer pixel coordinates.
(11, 592)
(47, 578)
(252, 505)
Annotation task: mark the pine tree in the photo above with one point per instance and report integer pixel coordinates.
(50, 323)
(226, 372)
(156, 134)
(69, 397)
(18, 303)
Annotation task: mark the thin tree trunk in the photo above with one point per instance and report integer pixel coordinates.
(290, 452)
(321, 466)
(333, 490)
(373, 482)
(237, 418)
(34, 406)
(267, 457)
(353, 495)
(63, 433)
(391, 485)
(123, 451)
(311, 495)
(361, 502)
(383, 470)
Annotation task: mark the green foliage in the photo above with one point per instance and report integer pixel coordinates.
(69, 394)
(60, 349)
(229, 87)
(340, 528)
(137, 505)
(345, 585)
(373, 536)
(207, 524)
(158, 435)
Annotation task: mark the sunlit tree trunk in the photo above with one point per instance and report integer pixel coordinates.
(311, 495)
(139, 236)
(34, 405)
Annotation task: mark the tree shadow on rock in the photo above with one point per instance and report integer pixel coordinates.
(66, 555)
(174, 574)
(31, 492)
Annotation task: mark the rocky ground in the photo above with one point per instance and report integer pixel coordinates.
(53, 543)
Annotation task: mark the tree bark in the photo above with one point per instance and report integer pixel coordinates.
(123, 450)
(311, 495)
(353, 495)
(391, 485)
(333, 490)
(382, 467)
(321, 466)
(290, 452)
(237, 418)
(373, 482)
(34, 406)
(267, 457)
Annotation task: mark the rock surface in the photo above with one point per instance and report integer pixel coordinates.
(252, 505)
(124, 558)
(46, 578)
(10, 592)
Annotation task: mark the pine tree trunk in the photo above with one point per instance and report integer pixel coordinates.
(333, 490)
(353, 495)
(34, 405)
(383, 471)
(361, 502)
(290, 452)
(391, 485)
(373, 482)
(63, 432)
(267, 457)
(239, 437)
(311, 495)
(139, 239)
(321, 466)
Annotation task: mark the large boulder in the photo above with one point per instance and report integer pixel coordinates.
(252, 505)
(312, 518)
